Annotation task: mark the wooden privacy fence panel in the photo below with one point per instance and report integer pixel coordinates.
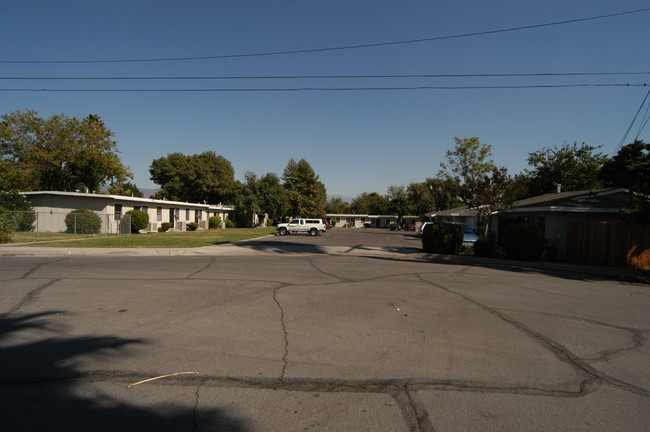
(609, 243)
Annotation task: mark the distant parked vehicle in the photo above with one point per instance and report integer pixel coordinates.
(312, 227)
(409, 227)
(395, 227)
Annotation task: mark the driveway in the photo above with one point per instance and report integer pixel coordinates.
(353, 331)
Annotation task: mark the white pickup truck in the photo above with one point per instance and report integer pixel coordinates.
(308, 226)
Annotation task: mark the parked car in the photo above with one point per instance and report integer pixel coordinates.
(469, 236)
(408, 227)
(395, 227)
(308, 226)
(421, 228)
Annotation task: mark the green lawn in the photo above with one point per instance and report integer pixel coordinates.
(184, 239)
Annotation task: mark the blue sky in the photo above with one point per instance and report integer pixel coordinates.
(356, 141)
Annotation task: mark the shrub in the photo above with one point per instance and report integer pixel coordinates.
(192, 226)
(139, 220)
(83, 221)
(22, 216)
(229, 223)
(442, 238)
(6, 226)
(485, 247)
(523, 241)
(214, 222)
(164, 227)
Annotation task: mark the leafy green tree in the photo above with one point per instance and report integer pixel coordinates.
(575, 167)
(58, 153)
(262, 196)
(336, 205)
(630, 168)
(125, 189)
(481, 184)
(306, 194)
(370, 203)
(205, 177)
(274, 197)
(17, 212)
(399, 202)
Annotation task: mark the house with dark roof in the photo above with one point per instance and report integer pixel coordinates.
(550, 212)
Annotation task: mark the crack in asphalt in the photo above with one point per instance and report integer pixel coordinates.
(636, 334)
(37, 267)
(202, 269)
(561, 352)
(32, 296)
(196, 406)
(285, 355)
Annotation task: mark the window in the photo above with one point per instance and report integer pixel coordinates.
(187, 214)
(198, 215)
(118, 211)
(158, 214)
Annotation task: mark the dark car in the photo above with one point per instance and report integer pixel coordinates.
(395, 227)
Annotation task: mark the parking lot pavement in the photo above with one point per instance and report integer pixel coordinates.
(318, 341)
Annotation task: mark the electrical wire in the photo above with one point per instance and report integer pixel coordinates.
(270, 77)
(620, 144)
(338, 48)
(341, 89)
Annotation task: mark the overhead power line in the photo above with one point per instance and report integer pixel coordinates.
(620, 144)
(325, 89)
(269, 77)
(338, 48)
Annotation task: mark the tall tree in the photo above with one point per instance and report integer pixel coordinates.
(481, 184)
(306, 194)
(205, 177)
(630, 168)
(125, 189)
(575, 167)
(399, 201)
(337, 205)
(370, 203)
(58, 153)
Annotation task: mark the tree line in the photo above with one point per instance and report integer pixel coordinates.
(70, 154)
(469, 177)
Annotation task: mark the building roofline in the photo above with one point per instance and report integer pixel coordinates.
(132, 199)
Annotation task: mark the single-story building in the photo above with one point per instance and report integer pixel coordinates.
(458, 214)
(51, 207)
(372, 221)
(550, 212)
(553, 211)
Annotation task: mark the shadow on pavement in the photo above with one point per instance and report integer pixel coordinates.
(42, 390)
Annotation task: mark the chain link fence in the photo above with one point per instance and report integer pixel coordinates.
(30, 226)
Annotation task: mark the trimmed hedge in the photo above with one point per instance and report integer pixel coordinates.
(83, 221)
(214, 222)
(164, 227)
(486, 247)
(523, 241)
(192, 226)
(139, 220)
(229, 223)
(442, 237)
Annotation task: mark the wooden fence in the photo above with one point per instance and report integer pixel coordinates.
(609, 244)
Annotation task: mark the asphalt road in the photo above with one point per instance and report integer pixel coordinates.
(354, 330)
